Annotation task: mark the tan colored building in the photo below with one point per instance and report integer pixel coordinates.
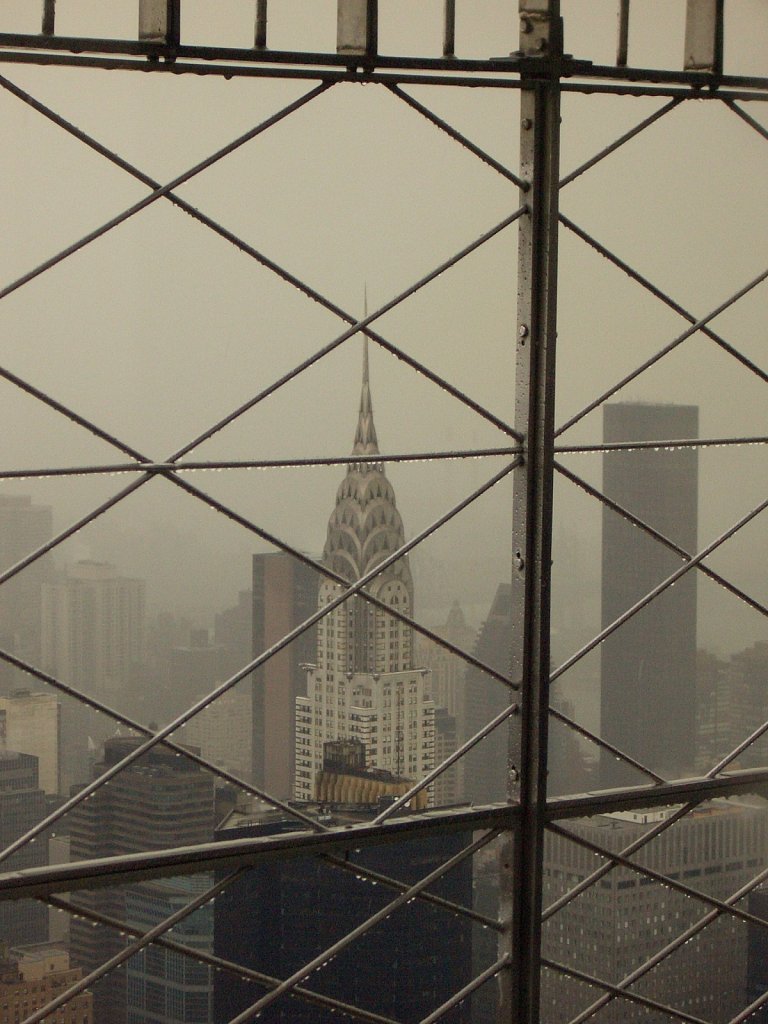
(31, 723)
(31, 976)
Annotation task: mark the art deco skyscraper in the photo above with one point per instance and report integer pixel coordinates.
(364, 685)
(648, 666)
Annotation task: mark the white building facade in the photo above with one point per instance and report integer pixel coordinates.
(365, 684)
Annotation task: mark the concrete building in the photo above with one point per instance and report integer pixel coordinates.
(404, 968)
(284, 595)
(24, 527)
(22, 805)
(31, 723)
(364, 684)
(159, 801)
(31, 976)
(448, 670)
(648, 665)
(93, 639)
(617, 924)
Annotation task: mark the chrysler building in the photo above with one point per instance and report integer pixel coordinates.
(364, 685)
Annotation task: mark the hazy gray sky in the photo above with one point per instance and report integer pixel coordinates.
(159, 328)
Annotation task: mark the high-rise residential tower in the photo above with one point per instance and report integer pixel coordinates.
(648, 665)
(364, 684)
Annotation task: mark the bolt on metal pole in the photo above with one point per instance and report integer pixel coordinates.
(522, 861)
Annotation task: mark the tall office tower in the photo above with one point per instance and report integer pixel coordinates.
(93, 639)
(31, 723)
(617, 924)
(403, 969)
(364, 684)
(24, 527)
(648, 665)
(449, 785)
(164, 987)
(159, 801)
(22, 805)
(284, 596)
(485, 765)
(31, 976)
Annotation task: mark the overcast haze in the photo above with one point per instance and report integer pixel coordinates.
(160, 328)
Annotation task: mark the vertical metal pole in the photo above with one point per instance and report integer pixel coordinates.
(622, 47)
(260, 38)
(49, 17)
(449, 29)
(522, 866)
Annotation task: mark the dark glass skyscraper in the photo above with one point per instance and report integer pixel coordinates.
(648, 665)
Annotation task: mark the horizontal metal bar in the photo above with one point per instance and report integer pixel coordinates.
(127, 869)
(130, 868)
(661, 446)
(736, 89)
(504, 65)
(189, 466)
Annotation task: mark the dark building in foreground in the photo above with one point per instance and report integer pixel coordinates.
(757, 954)
(648, 665)
(22, 805)
(159, 801)
(284, 595)
(280, 915)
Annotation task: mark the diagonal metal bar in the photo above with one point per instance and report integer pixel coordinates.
(657, 536)
(633, 847)
(604, 744)
(457, 136)
(143, 730)
(228, 684)
(662, 296)
(133, 947)
(217, 962)
(255, 254)
(752, 738)
(632, 997)
(357, 327)
(749, 1012)
(618, 143)
(747, 118)
(113, 469)
(668, 949)
(446, 764)
(467, 990)
(660, 588)
(304, 972)
(163, 190)
(426, 897)
(75, 417)
(657, 876)
(652, 360)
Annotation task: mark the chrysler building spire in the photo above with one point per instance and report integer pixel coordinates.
(366, 442)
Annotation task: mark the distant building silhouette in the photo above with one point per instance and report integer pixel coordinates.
(648, 665)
